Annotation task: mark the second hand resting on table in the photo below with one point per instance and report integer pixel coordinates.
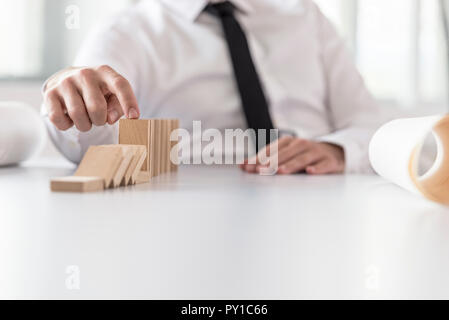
(83, 97)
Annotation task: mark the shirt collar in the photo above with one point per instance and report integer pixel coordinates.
(191, 9)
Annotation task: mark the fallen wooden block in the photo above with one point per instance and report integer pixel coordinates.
(136, 164)
(127, 157)
(77, 184)
(101, 161)
(144, 152)
(143, 177)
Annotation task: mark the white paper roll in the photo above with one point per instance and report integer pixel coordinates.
(22, 132)
(395, 150)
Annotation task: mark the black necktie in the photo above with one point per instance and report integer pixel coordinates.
(254, 102)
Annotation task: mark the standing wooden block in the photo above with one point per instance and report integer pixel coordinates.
(174, 144)
(77, 184)
(152, 148)
(164, 144)
(154, 134)
(157, 146)
(168, 146)
(136, 132)
(101, 161)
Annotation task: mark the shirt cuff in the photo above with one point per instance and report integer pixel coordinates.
(356, 152)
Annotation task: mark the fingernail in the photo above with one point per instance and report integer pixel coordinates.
(133, 114)
(113, 116)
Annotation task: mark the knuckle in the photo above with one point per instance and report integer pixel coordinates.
(50, 94)
(119, 83)
(54, 117)
(59, 121)
(104, 68)
(66, 83)
(86, 74)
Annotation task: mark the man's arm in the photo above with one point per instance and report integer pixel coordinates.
(82, 104)
(352, 112)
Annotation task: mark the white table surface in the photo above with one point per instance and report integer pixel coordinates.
(218, 233)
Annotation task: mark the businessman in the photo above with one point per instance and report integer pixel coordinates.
(259, 64)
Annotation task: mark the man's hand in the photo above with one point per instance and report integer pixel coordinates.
(297, 155)
(89, 96)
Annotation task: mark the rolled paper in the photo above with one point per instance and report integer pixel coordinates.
(22, 133)
(396, 148)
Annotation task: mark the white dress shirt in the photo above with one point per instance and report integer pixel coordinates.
(176, 59)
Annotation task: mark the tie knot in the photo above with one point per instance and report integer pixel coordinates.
(221, 9)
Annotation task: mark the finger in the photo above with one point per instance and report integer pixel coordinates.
(274, 148)
(119, 86)
(254, 162)
(300, 162)
(115, 111)
(75, 106)
(292, 150)
(56, 111)
(93, 97)
(295, 147)
(324, 166)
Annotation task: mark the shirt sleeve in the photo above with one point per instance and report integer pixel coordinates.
(354, 113)
(100, 48)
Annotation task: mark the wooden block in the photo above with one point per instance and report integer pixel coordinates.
(77, 184)
(143, 177)
(138, 156)
(133, 150)
(137, 169)
(136, 132)
(164, 143)
(168, 146)
(152, 148)
(157, 146)
(101, 161)
(127, 156)
(154, 134)
(174, 144)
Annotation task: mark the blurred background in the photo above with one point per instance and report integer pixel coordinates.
(400, 46)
